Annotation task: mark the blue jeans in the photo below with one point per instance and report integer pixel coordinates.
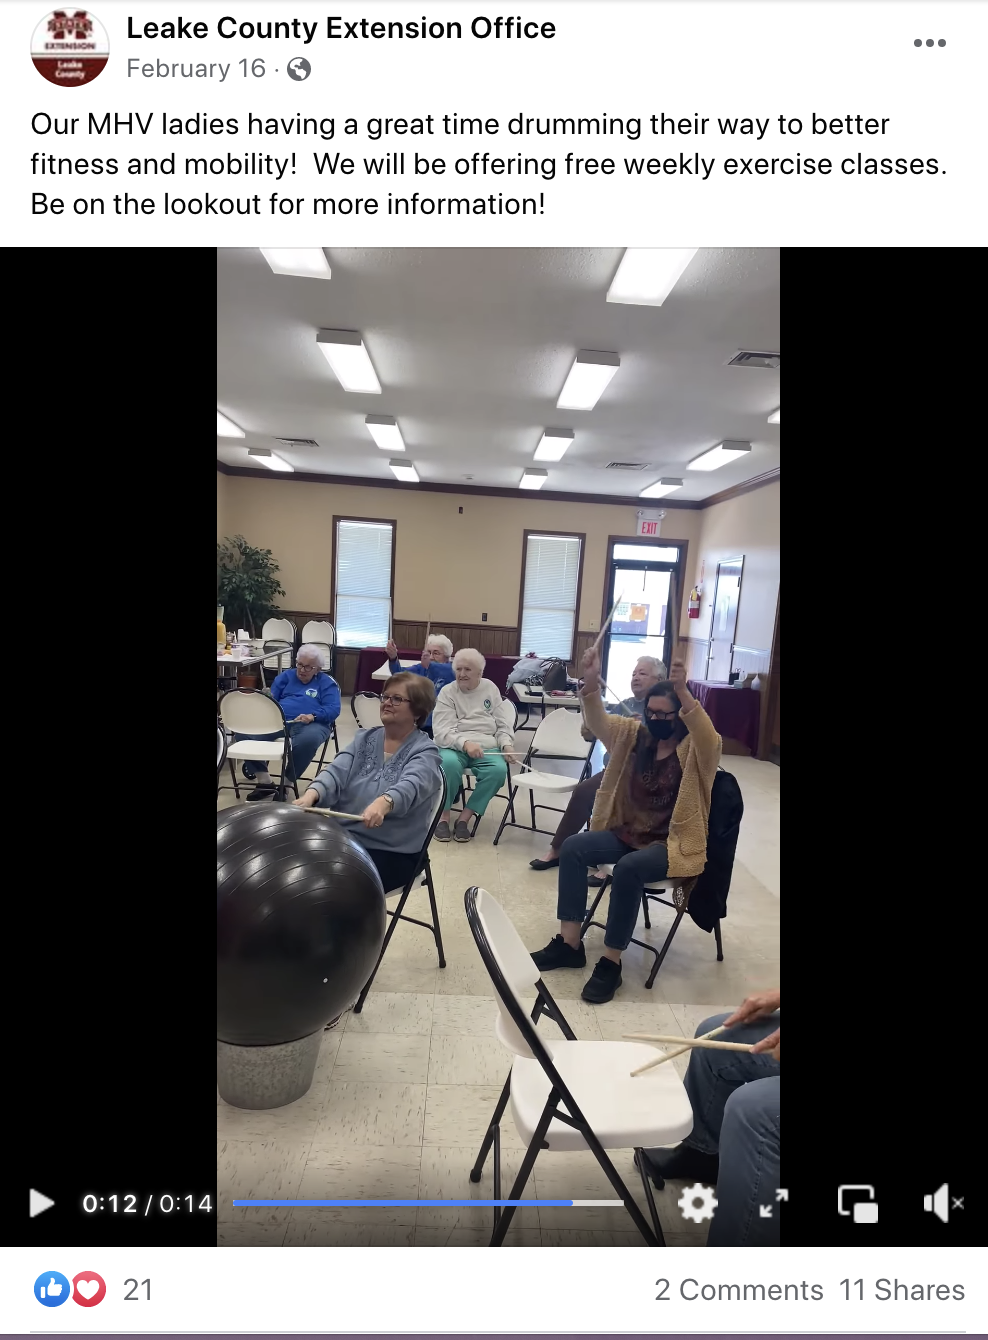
(736, 1101)
(307, 738)
(632, 871)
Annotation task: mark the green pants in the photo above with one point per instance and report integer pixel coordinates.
(491, 772)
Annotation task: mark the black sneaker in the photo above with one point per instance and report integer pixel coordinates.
(558, 954)
(262, 793)
(680, 1164)
(248, 771)
(595, 881)
(605, 980)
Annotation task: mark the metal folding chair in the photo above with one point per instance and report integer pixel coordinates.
(568, 1095)
(557, 737)
(245, 712)
(422, 875)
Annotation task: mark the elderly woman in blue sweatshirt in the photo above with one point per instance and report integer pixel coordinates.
(435, 665)
(391, 776)
(310, 700)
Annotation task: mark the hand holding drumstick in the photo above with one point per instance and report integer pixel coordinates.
(591, 670)
(757, 1006)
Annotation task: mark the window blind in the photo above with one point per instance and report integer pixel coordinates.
(363, 582)
(552, 570)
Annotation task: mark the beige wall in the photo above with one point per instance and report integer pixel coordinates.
(748, 525)
(221, 489)
(447, 565)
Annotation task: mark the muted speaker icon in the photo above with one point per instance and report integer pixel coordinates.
(938, 1203)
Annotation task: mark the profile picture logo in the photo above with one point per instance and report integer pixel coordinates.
(70, 47)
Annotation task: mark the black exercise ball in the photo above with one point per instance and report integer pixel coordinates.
(300, 922)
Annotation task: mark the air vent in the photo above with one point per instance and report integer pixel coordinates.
(297, 441)
(625, 465)
(752, 358)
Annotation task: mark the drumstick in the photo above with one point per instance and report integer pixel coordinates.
(428, 630)
(498, 753)
(669, 1055)
(692, 1042)
(674, 607)
(333, 814)
(606, 624)
(607, 689)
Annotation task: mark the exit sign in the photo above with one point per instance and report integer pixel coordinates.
(649, 523)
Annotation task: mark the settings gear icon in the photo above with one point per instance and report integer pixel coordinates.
(697, 1211)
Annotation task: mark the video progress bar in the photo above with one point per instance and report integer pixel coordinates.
(440, 1205)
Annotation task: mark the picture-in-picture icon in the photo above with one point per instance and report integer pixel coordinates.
(862, 1211)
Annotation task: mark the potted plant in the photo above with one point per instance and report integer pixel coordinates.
(246, 586)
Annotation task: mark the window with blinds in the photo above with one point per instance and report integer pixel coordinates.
(364, 557)
(552, 573)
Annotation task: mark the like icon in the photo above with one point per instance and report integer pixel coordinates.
(52, 1289)
(88, 1289)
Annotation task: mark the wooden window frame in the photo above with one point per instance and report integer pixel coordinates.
(580, 535)
(371, 521)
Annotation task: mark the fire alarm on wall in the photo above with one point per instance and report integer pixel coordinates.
(483, 618)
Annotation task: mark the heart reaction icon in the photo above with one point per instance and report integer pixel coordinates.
(88, 1288)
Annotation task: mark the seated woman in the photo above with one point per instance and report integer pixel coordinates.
(646, 672)
(390, 776)
(310, 700)
(434, 665)
(472, 722)
(649, 818)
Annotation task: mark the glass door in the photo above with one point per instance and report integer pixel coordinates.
(642, 623)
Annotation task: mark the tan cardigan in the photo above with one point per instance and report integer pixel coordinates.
(698, 753)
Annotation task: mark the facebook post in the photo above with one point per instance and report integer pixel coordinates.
(498, 310)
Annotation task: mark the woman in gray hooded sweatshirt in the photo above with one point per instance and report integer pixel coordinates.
(390, 776)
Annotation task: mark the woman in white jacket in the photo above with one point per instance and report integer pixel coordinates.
(473, 726)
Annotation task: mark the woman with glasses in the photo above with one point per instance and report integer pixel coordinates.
(649, 818)
(434, 665)
(390, 776)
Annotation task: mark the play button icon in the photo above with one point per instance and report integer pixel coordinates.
(39, 1203)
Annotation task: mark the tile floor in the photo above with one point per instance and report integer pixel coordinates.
(403, 1091)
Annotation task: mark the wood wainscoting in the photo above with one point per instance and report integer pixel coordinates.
(490, 639)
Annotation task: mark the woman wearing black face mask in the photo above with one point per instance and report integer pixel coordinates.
(649, 819)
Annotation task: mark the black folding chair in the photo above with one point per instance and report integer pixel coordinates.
(422, 875)
(220, 753)
(709, 889)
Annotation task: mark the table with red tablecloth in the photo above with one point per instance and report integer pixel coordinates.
(372, 658)
(734, 712)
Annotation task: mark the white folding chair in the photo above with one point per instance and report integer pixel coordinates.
(278, 636)
(557, 737)
(323, 635)
(422, 875)
(568, 1095)
(366, 709)
(245, 712)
